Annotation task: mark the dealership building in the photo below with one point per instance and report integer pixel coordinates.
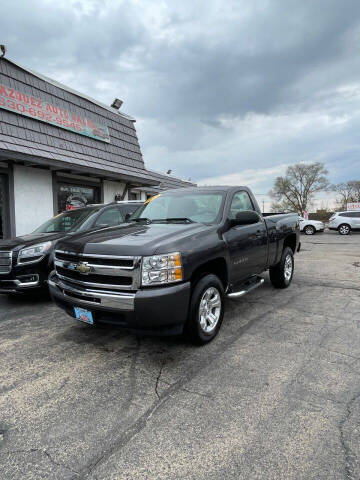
(57, 144)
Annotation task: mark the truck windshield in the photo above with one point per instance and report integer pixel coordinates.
(66, 222)
(174, 207)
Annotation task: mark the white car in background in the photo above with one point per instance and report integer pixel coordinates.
(310, 227)
(344, 222)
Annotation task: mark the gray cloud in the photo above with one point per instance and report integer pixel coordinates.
(217, 88)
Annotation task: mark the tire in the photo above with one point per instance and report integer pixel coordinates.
(282, 273)
(199, 328)
(344, 229)
(309, 230)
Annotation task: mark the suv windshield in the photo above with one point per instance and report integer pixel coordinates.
(200, 207)
(66, 222)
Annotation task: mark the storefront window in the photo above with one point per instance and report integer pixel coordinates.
(134, 195)
(71, 197)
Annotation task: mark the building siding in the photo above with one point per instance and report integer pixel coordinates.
(33, 137)
(33, 198)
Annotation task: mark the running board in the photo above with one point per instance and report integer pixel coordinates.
(246, 288)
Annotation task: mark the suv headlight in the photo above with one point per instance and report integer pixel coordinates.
(161, 269)
(35, 253)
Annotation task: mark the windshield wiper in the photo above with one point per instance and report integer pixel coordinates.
(141, 219)
(175, 219)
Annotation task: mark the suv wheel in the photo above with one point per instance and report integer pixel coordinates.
(309, 230)
(282, 273)
(206, 310)
(344, 229)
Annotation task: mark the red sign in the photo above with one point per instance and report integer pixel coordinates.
(353, 206)
(29, 106)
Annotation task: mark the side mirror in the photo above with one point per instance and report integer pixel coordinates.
(127, 216)
(247, 217)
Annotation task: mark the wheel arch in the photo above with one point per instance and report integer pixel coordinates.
(290, 241)
(216, 266)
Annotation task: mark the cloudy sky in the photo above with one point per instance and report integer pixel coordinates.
(223, 92)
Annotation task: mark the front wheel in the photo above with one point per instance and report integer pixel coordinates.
(309, 230)
(206, 310)
(282, 273)
(344, 229)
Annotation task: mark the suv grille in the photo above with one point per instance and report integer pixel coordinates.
(5, 262)
(102, 271)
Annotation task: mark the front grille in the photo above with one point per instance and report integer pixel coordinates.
(94, 278)
(5, 262)
(105, 260)
(98, 271)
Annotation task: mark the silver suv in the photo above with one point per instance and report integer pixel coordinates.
(344, 222)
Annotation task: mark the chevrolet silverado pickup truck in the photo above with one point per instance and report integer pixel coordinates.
(26, 261)
(170, 268)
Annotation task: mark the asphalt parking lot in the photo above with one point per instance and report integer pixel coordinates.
(275, 396)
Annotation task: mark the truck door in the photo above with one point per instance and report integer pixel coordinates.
(247, 244)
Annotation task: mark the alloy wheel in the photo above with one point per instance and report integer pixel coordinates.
(288, 267)
(344, 229)
(210, 309)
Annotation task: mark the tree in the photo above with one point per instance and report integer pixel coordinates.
(348, 192)
(295, 191)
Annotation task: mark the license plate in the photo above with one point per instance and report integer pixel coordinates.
(84, 315)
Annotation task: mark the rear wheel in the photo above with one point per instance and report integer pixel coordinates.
(206, 310)
(344, 229)
(309, 230)
(282, 273)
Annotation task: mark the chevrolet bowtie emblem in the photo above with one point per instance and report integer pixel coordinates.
(83, 268)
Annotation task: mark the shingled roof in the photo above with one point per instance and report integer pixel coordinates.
(23, 138)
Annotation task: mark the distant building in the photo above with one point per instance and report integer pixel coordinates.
(57, 144)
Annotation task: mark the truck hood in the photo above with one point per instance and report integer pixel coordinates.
(133, 239)
(28, 240)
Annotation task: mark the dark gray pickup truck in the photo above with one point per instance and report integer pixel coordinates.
(169, 269)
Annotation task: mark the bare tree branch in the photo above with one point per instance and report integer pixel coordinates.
(295, 191)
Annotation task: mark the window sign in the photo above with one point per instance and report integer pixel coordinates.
(71, 197)
(32, 107)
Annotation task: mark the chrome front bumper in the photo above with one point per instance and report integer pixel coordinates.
(95, 298)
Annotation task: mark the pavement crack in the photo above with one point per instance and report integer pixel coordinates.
(328, 285)
(45, 452)
(350, 458)
(58, 464)
(194, 392)
(63, 383)
(158, 380)
(132, 375)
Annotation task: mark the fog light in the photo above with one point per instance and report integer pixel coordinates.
(28, 279)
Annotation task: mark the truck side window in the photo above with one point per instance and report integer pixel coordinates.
(240, 202)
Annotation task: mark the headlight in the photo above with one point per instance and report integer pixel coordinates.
(34, 253)
(160, 269)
